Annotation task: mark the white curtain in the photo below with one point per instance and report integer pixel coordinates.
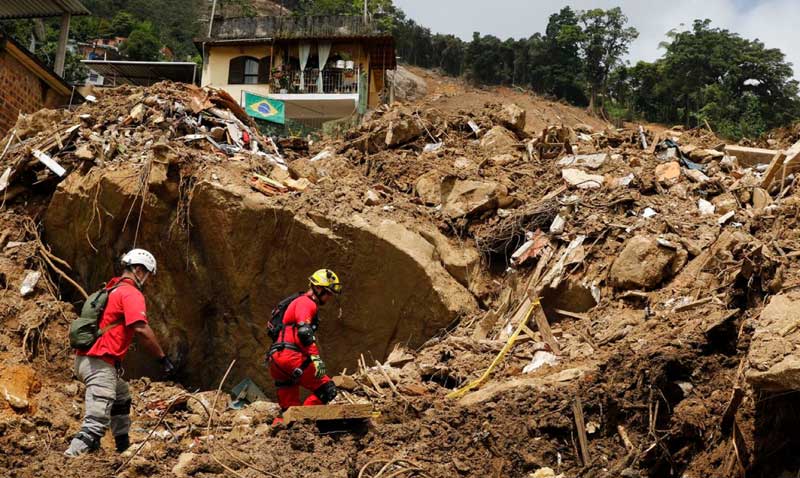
(305, 49)
(324, 50)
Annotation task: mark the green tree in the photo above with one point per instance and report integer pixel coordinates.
(143, 43)
(123, 24)
(604, 41)
(556, 65)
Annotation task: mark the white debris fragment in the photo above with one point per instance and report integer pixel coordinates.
(705, 207)
(29, 283)
(540, 358)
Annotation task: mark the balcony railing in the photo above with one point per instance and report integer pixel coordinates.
(334, 81)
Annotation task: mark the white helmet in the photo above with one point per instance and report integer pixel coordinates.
(140, 257)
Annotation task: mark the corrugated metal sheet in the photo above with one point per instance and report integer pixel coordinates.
(40, 8)
(143, 73)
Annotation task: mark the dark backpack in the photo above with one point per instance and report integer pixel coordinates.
(85, 330)
(275, 324)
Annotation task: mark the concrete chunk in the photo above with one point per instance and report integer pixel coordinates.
(750, 156)
(591, 161)
(581, 179)
(774, 357)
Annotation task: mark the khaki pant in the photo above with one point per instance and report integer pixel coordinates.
(108, 398)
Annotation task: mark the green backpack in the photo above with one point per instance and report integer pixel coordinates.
(84, 331)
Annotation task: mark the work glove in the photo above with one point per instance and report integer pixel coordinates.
(319, 365)
(167, 365)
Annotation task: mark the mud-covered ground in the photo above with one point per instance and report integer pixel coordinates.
(652, 305)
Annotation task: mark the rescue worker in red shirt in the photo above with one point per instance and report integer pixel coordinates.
(294, 359)
(108, 399)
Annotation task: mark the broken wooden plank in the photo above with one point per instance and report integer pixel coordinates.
(749, 157)
(51, 163)
(580, 425)
(729, 414)
(328, 412)
(571, 315)
(775, 166)
(547, 333)
(623, 434)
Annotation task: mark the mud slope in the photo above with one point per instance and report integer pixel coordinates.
(217, 282)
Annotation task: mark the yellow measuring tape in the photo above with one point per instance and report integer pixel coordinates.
(500, 356)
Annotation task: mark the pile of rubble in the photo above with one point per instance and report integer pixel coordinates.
(625, 296)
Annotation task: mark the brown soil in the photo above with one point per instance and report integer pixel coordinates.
(658, 366)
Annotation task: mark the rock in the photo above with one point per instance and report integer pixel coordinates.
(84, 152)
(429, 187)
(705, 207)
(137, 112)
(463, 198)
(461, 260)
(217, 133)
(303, 168)
(18, 385)
(705, 155)
(668, 173)
(402, 130)
(297, 184)
(503, 159)
(408, 87)
(543, 473)
(581, 179)
(372, 198)
(725, 203)
(345, 382)
(729, 163)
(512, 117)
(264, 410)
(499, 139)
(463, 163)
(761, 199)
(71, 389)
(644, 264)
(773, 357)
(591, 161)
(399, 357)
(557, 226)
(207, 398)
(695, 175)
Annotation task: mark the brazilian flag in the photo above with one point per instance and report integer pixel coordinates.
(264, 108)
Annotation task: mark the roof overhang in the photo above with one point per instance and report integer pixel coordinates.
(10, 9)
(145, 73)
(35, 65)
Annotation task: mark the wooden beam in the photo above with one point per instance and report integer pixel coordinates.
(546, 331)
(328, 412)
(774, 168)
(580, 425)
(61, 49)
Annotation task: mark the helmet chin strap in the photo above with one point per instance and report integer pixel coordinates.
(140, 282)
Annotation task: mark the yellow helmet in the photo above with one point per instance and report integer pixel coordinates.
(327, 279)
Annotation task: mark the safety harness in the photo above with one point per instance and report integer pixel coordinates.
(281, 344)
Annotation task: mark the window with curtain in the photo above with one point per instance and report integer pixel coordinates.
(243, 70)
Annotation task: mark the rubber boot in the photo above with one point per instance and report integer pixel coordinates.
(123, 442)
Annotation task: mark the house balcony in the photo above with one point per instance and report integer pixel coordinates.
(336, 83)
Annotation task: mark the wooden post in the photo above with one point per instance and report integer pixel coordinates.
(583, 442)
(61, 49)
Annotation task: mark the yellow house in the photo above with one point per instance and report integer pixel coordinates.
(322, 67)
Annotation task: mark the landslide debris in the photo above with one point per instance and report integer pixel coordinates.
(652, 340)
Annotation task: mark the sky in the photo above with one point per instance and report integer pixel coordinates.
(774, 22)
